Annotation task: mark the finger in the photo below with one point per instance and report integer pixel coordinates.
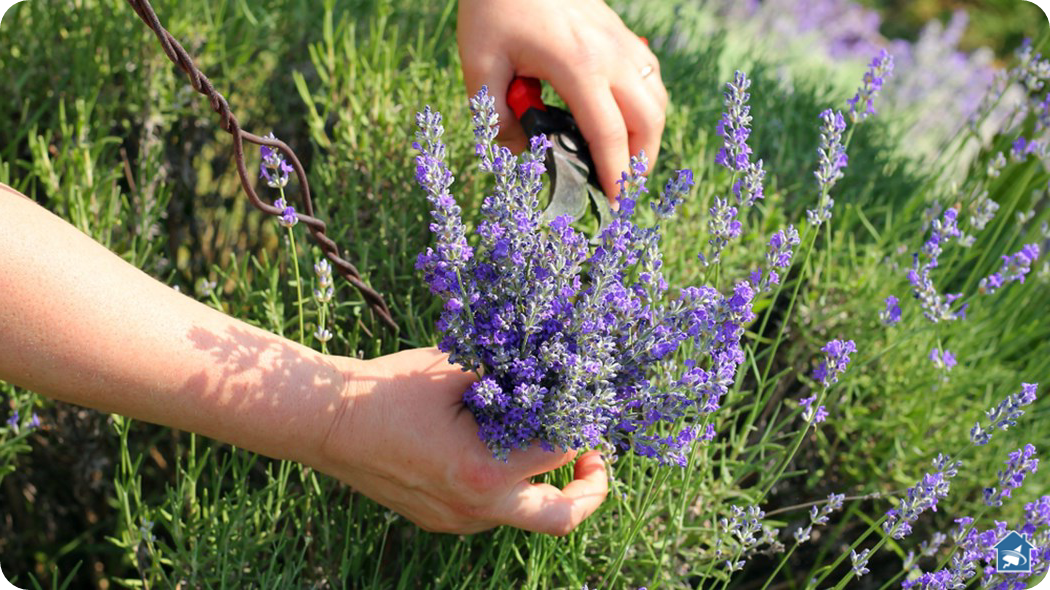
(497, 74)
(596, 112)
(543, 508)
(644, 118)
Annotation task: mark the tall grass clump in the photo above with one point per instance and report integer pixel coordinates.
(817, 357)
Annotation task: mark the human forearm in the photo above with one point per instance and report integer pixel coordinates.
(81, 325)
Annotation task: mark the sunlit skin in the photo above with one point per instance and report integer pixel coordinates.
(81, 325)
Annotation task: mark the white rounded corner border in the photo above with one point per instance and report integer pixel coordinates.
(1043, 5)
(6, 5)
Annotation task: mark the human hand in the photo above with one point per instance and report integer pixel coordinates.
(607, 75)
(405, 440)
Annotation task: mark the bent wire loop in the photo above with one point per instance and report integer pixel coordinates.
(228, 122)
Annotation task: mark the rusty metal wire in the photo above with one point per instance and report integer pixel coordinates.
(228, 122)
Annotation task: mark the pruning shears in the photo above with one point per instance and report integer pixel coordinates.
(573, 178)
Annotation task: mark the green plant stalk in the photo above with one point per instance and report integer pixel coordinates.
(780, 565)
(636, 526)
(298, 279)
(1004, 219)
(853, 547)
(794, 446)
(809, 238)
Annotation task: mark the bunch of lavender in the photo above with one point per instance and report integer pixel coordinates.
(573, 348)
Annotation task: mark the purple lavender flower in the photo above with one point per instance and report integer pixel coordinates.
(943, 360)
(859, 561)
(812, 415)
(983, 211)
(819, 517)
(1042, 113)
(323, 334)
(829, 168)
(1015, 268)
(288, 217)
(273, 168)
(892, 314)
(749, 188)
(879, 69)
(723, 226)
(673, 194)
(13, 420)
(921, 497)
(745, 527)
(941, 230)
(935, 307)
(1005, 414)
(1020, 463)
(832, 153)
(1022, 148)
(735, 154)
(836, 359)
(1031, 68)
(734, 126)
(974, 546)
(778, 256)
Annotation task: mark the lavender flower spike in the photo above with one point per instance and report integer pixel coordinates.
(859, 562)
(1015, 268)
(832, 160)
(723, 226)
(674, 193)
(1004, 415)
(832, 153)
(819, 516)
(734, 125)
(836, 359)
(810, 414)
(273, 169)
(325, 288)
(943, 360)
(863, 103)
(781, 245)
(892, 314)
(1021, 462)
(735, 154)
(921, 497)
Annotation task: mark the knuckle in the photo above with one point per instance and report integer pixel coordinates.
(610, 135)
(654, 123)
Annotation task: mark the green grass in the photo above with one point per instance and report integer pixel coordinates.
(106, 134)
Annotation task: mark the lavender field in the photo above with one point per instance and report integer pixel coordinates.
(810, 345)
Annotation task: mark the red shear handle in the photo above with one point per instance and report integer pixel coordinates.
(524, 94)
